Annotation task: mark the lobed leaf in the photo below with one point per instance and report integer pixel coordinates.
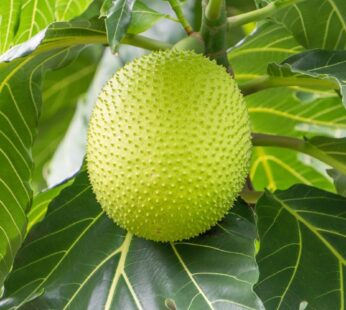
(19, 113)
(35, 15)
(269, 43)
(269, 110)
(318, 64)
(78, 258)
(315, 23)
(302, 255)
(65, 10)
(302, 111)
(61, 91)
(9, 15)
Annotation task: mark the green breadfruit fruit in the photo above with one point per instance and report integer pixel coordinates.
(169, 145)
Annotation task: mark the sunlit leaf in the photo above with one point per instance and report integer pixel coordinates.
(117, 21)
(9, 14)
(284, 111)
(315, 23)
(35, 15)
(68, 9)
(19, 113)
(143, 18)
(269, 110)
(61, 92)
(270, 43)
(318, 64)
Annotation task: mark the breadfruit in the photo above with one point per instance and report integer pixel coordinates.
(169, 145)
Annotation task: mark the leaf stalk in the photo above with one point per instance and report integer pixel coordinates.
(256, 15)
(265, 82)
(299, 145)
(177, 8)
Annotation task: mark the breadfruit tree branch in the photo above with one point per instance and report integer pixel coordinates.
(214, 32)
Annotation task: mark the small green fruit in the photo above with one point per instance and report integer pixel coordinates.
(169, 145)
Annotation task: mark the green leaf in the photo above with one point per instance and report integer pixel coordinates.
(316, 23)
(303, 249)
(35, 15)
(9, 14)
(143, 18)
(77, 257)
(61, 91)
(272, 108)
(41, 202)
(21, 20)
(301, 111)
(339, 181)
(106, 5)
(318, 64)
(67, 9)
(331, 148)
(19, 113)
(269, 43)
(117, 21)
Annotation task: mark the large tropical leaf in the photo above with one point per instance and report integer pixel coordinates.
(332, 148)
(9, 15)
(301, 111)
(330, 65)
(67, 9)
(61, 91)
(35, 15)
(19, 112)
(269, 110)
(302, 256)
(269, 43)
(78, 258)
(316, 23)
(21, 20)
(41, 202)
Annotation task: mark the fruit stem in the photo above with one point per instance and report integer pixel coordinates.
(265, 82)
(303, 146)
(214, 32)
(177, 8)
(259, 14)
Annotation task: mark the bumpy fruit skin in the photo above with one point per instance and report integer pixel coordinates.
(168, 145)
